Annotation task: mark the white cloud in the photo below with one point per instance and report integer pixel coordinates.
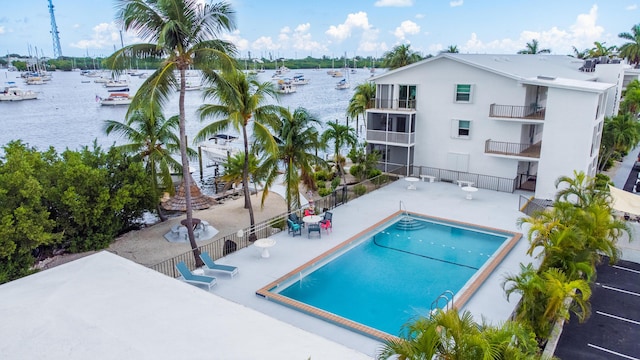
(407, 27)
(455, 3)
(581, 34)
(265, 43)
(2, 31)
(632, 7)
(301, 39)
(235, 38)
(420, 16)
(354, 21)
(106, 36)
(393, 3)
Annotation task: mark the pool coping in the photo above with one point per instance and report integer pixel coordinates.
(465, 293)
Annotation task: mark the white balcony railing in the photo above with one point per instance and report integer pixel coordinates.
(391, 137)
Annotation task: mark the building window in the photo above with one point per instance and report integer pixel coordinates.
(463, 93)
(461, 129)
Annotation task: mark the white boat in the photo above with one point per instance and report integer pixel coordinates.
(298, 79)
(342, 84)
(219, 148)
(116, 83)
(14, 93)
(193, 85)
(286, 86)
(116, 99)
(35, 80)
(101, 80)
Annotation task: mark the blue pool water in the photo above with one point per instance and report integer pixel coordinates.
(394, 274)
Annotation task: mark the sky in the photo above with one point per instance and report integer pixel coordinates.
(333, 28)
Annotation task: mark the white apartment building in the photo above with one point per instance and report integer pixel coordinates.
(517, 119)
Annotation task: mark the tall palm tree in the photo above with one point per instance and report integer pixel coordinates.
(184, 34)
(298, 139)
(153, 141)
(399, 56)
(533, 48)
(451, 49)
(580, 54)
(631, 50)
(361, 101)
(340, 135)
(242, 102)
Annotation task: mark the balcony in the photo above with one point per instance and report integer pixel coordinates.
(512, 149)
(379, 103)
(389, 137)
(532, 112)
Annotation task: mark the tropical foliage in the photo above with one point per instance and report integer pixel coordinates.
(451, 335)
(570, 238)
(534, 48)
(184, 34)
(74, 201)
(631, 49)
(399, 56)
(361, 100)
(242, 103)
(298, 143)
(620, 134)
(152, 141)
(340, 135)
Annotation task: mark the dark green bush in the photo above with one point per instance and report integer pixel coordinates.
(335, 182)
(324, 192)
(359, 189)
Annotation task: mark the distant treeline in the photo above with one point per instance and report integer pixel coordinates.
(88, 63)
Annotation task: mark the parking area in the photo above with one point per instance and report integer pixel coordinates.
(613, 330)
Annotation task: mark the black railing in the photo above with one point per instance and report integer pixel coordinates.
(531, 205)
(232, 242)
(508, 148)
(533, 111)
(480, 181)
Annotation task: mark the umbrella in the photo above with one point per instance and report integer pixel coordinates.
(624, 201)
(199, 201)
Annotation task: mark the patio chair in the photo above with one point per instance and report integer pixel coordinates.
(294, 228)
(210, 266)
(197, 280)
(314, 228)
(296, 220)
(327, 222)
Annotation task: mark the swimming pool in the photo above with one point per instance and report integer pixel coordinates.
(394, 271)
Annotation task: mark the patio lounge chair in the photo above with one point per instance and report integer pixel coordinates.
(294, 228)
(314, 228)
(210, 266)
(197, 280)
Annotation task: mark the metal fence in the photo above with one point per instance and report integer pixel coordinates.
(480, 181)
(233, 242)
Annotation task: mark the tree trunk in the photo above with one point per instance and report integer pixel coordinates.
(186, 176)
(245, 185)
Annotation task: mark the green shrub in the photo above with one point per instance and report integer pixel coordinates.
(359, 189)
(321, 175)
(321, 184)
(373, 173)
(324, 192)
(277, 223)
(380, 180)
(357, 171)
(335, 182)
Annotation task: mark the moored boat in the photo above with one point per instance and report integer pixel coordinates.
(286, 87)
(342, 84)
(14, 93)
(299, 79)
(116, 83)
(219, 148)
(115, 99)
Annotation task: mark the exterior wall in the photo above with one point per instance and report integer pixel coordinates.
(613, 74)
(436, 109)
(567, 138)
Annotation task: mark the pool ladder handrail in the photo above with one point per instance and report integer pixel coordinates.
(444, 296)
(401, 205)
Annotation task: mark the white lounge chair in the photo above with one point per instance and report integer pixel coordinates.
(197, 280)
(210, 266)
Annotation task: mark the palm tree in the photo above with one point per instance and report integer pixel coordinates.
(580, 54)
(153, 141)
(631, 102)
(532, 48)
(361, 101)
(399, 56)
(452, 49)
(242, 101)
(601, 50)
(341, 135)
(184, 34)
(620, 133)
(631, 50)
(298, 139)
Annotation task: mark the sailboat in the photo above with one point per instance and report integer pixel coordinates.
(344, 83)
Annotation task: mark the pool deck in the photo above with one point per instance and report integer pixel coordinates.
(445, 200)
